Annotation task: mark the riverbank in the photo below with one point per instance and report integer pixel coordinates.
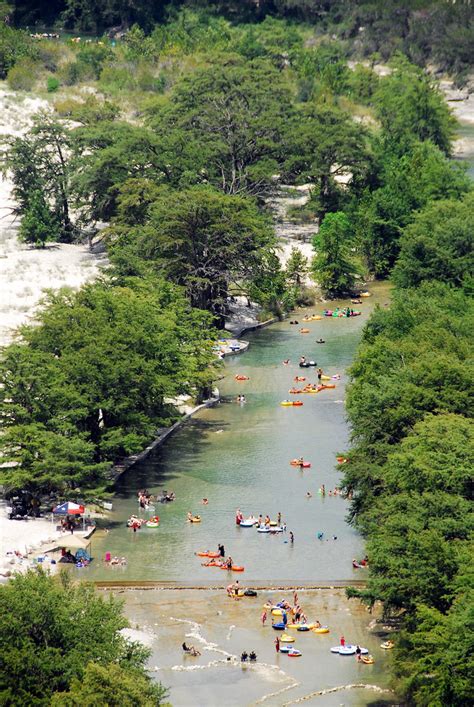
(221, 629)
(26, 271)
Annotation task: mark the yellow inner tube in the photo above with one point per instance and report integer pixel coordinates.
(286, 403)
(286, 638)
(196, 519)
(322, 629)
(277, 612)
(367, 659)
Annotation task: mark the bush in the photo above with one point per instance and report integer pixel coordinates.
(21, 77)
(50, 54)
(52, 84)
(72, 73)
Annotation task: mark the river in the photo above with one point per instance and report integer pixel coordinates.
(237, 456)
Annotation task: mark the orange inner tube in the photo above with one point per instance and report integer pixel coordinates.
(295, 391)
(297, 403)
(299, 379)
(241, 378)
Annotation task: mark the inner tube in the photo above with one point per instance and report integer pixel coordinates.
(241, 378)
(195, 519)
(387, 645)
(367, 659)
(286, 403)
(297, 403)
(295, 391)
(321, 629)
(250, 593)
(278, 612)
(327, 386)
(152, 524)
(294, 653)
(304, 365)
(279, 626)
(285, 649)
(303, 627)
(247, 523)
(349, 649)
(304, 331)
(304, 465)
(234, 568)
(287, 638)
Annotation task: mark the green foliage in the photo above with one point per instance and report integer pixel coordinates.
(411, 108)
(322, 70)
(87, 385)
(52, 84)
(438, 245)
(199, 238)
(408, 183)
(296, 267)
(323, 144)
(410, 470)
(21, 77)
(56, 635)
(433, 661)
(40, 165)
(333, 266)
(232, 117)
(112, 686)
(15, 45)
(38, 224)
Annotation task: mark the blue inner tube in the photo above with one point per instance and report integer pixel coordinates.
(302, 628)
(279, 626)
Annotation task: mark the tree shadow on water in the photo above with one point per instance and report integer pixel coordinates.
(184, 448)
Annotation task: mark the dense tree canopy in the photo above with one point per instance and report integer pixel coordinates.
(90, 383)
(438, 245)
(57, 635)
(333, 266)
(199, 238)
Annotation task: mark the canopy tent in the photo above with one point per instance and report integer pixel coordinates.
(73, 542)
(69, 509)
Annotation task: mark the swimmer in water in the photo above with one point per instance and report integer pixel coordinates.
(309, 494)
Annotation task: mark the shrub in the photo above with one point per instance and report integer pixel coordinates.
(21, 77)
(52, 84)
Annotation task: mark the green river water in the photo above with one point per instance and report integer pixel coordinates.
(238, 456)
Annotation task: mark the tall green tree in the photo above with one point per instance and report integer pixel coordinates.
(233, 115)
(333, 266)
(323, 144)
(438, 245)
(53, 633)
(410, 107)
(90, 382)
(40, 165)
(200, 238)
(408, 183)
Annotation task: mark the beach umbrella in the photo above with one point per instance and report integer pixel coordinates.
(73, 542)
(69, 509)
